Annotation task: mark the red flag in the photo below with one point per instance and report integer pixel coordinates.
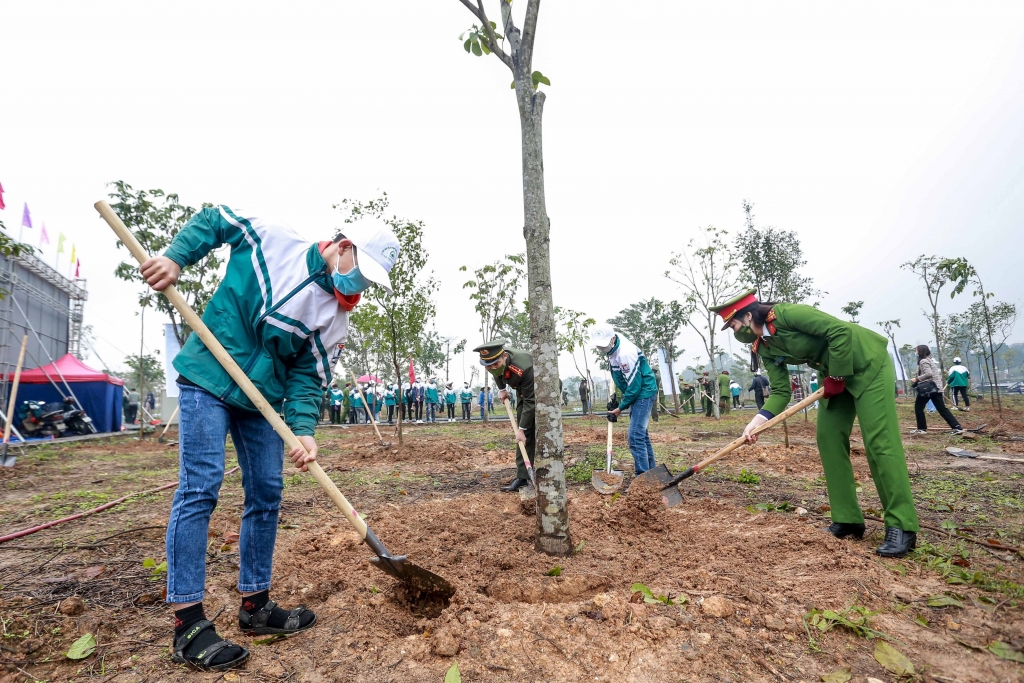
(78, 262)
(2, 205)
(412, 372)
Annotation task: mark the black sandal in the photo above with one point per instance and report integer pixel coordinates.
(256, 623)
(200, 660)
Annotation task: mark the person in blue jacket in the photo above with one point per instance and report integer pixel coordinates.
(635, 379)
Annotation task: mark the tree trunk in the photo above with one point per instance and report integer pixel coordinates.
(552, 499)
(938, 340)
(991, 353)
(903, 372)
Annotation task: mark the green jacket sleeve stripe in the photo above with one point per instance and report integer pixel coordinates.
(259, 263)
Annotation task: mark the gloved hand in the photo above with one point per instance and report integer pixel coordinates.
(756, 422)
(834, 386)
(613, 404)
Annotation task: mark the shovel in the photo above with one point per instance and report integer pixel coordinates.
(522, 451)
(383, 444)
(418, 581)
(168, 425)
(607, 481)
(670, 494)
(961, 453)
(6, 458)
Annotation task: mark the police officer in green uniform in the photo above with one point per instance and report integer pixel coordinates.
(687, 398)
(513, 368)
(859, 377)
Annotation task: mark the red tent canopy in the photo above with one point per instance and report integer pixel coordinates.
(73, 370)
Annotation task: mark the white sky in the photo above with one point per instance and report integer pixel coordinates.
(877, 131)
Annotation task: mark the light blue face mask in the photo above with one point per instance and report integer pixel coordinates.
(349, 283)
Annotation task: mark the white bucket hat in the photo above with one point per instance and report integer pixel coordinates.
(376, 249)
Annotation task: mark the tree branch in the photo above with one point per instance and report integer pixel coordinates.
(529, 32)
(492, 39)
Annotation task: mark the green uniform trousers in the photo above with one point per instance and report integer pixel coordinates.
(723, 406)
(876, 410)
(531, 445)
(692, 406)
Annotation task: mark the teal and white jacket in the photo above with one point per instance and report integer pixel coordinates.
(275, 312)
(959, 376)
(631, 372)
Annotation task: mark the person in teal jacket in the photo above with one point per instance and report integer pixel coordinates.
(390, 401)
(431, 400)
(958, 381)
(281, 312)
(337, 399)
(449, 401)
(356, 415)
(466, 398)
(859, 377)
(633, 376)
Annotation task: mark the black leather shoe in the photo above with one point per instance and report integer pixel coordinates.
(897, 542)
(516, 484)
(842, 530)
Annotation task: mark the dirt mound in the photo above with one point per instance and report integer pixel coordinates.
(643, 503)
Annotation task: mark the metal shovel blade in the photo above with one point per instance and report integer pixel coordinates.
(418, 581)
(8, 459)
(960, 453)
(660, 476)
(605, 482)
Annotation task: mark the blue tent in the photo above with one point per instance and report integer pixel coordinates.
(99, 393)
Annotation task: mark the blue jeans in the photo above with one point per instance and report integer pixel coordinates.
(431, 416)
(205, 422)
(639, 439)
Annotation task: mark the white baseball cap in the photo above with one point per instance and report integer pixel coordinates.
(376, 249)
(602, 336)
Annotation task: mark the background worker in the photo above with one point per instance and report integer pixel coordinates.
(449, 401)
(337, 399)
(584, 390)
(466, 398)
(316, 285)
(132, 410)
(706, 392)
(734, 389)
(759, 385)
(513, 368)
(390, 400)
(355, 406)
(959, 380)
(431, 399)
(723, 392)
(687, 394)
(860, 377)
(481, 401)
(634, 378)
(928, 385)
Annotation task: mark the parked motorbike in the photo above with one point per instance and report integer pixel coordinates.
(75, 419)
(41, 419)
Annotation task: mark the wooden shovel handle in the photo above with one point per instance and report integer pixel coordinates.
(781, 417)
(14, 392)
(522, 446)
(368, 411)
(229, 364)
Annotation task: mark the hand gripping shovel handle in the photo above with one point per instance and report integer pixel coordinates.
(789, 412)
(246, 385)
(522, 446)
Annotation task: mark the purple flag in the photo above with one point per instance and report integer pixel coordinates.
(26, 217)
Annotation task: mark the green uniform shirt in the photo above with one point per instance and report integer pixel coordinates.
(723, 385)
(518, 374)
(833, 347)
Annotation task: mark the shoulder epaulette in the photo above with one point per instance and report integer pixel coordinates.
(516, 370)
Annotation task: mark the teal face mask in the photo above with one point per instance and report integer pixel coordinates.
(351, 282)
(745, 335)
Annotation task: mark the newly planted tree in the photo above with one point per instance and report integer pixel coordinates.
(890, 331)
(770, 260)
(516, 52)
(934, 279)
(156, 217)
(574, 335)
(398, 320)
(707, 275)
(961, 273)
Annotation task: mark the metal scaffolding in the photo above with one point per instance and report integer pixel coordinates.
(50, 306)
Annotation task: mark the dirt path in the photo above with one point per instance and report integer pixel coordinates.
(739, 569)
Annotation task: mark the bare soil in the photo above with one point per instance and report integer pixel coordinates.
(737, 569)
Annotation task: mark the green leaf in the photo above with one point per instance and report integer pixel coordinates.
(641, 588)
(539, 78)
(476, 48)
(149, 563)
(554, 571)
(1004, 651)
(579, 548)
(466, 44)
(841, 675)
(893, 660)
(944, 601)
(921, 620)
(82, 648)
(270, 639)
(453, 675)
